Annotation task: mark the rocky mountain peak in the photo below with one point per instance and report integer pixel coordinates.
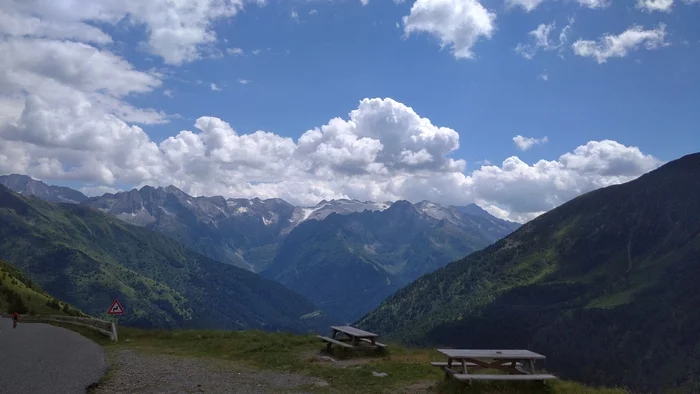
(29, 186)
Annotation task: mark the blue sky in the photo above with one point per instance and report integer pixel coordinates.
(96, 97)
(320, 67)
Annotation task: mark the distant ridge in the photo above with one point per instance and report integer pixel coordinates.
(28, 186)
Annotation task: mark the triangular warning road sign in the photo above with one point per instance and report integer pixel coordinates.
(116, 308)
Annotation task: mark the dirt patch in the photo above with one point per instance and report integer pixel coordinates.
(428, 386)
(140, 372)
(328, 359)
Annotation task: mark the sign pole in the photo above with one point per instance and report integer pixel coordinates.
(115, 310)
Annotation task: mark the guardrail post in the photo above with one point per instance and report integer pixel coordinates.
(114, 332)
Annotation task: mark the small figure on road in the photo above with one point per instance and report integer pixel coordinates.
(15, 319)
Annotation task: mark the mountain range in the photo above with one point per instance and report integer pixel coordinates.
(344, 255)
(605, 286)
(88, 258)
(348, 264)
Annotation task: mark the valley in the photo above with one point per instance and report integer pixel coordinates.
(344, 255)
(603, 284)
(357, 196)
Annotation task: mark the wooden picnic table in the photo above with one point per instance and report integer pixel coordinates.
(354, 336)
(519, 364)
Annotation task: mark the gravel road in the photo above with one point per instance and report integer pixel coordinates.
(148, 373)
(40, 358)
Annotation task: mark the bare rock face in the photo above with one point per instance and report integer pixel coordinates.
(28, 186)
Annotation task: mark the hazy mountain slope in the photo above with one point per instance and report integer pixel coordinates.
(348, 264)
(235, 231)
(88, 258)
(27, 186)
(605, 286)
(247, 233)
(243, 232)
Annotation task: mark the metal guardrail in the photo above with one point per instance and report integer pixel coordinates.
(102, 326)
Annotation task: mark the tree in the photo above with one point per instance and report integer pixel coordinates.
(53, 304)
(18, 305)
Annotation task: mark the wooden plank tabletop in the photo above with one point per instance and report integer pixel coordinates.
(493, 354)
(355, 332)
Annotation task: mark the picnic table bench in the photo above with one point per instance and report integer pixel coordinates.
(519, 364)
(353, 338)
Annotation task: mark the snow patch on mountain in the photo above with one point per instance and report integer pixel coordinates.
(343, 206)
(439, 212)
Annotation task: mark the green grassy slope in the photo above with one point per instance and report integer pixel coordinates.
(605, 286)
(88, 259)
(408, 370)
(19, 294)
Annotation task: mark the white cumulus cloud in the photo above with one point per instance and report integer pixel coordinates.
(382, 151)
(530, 5)
(457, 23)
(65, 118)
(176, 30)
(542, 40)
(621, 45)
(655, 5)
(525, 143)
(527, 5)
(56, 71)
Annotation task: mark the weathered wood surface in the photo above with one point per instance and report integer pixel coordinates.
(378, 344)
(459, 354)
(354, 332)
(457, 363)
(504, 360)
(468, 377)
(454, 364)
(333, 341)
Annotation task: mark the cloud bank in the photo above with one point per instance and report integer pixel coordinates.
(383, 150)
(66, 119)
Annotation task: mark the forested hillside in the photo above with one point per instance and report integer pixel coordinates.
(605, 286)
(88, 259)
(19, 294)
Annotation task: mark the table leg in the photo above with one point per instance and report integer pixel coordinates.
(333, 334)
(449, 366)
(532, 366)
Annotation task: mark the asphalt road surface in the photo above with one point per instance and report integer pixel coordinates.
(40, 358)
